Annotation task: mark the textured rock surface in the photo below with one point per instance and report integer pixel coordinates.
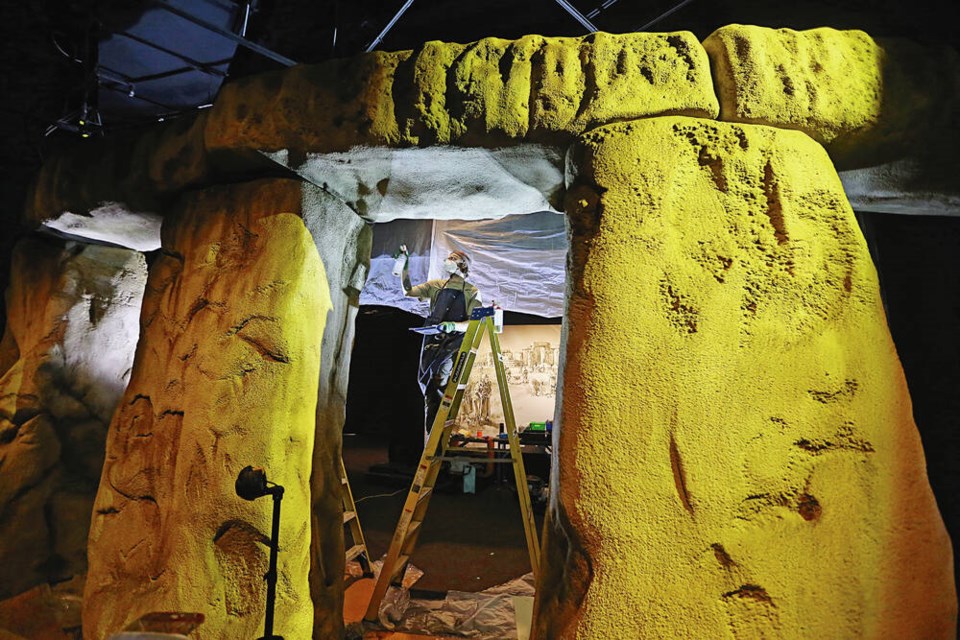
(72, 328)
(489, 92)
(867, 100)
(870, 102)
(492, 91)
(343, 241)
(43, 613)
(737, 456)
(443, 182)
(225, 375)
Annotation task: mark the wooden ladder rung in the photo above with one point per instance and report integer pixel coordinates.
(399, 567)
(412, 530)
(355, 551)
(348, 516)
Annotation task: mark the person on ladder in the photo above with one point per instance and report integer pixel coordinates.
(451, 301)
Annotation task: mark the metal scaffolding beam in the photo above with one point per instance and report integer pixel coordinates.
(229, 35)
(194, 64)
(579, 17)
(386, 29)
(663, 15)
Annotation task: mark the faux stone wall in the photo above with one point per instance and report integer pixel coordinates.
(72, 312)
(343, 242)
(737, 455)
(225, 376)
(489, 93)
(723, 315)
(867, 101)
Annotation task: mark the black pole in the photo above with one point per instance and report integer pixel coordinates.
(271, 576)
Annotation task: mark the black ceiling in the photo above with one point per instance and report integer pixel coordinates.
(134, 61)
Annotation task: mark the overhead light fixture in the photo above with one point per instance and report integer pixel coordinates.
(251, 484)
(89, 122)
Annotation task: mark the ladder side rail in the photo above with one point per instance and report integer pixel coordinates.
(456, 386)
(523, 491)
(455, 390)
(393, 552)
(356, 531)
(452, 393)
(442, 424)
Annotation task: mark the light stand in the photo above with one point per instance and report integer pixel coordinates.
(252, 484)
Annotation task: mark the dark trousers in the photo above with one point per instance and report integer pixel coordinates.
(433, 393)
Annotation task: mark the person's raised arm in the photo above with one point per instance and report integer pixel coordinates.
(402, 269)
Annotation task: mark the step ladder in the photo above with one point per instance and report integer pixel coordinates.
(356, 549)
(436, 451)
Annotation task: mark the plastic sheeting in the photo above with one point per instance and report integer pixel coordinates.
(501, 612)
(517, 261)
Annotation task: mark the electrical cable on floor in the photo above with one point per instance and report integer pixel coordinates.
(378, 495)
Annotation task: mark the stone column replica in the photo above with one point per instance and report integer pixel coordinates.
(72, 313)
(737, 455)
(343, 242)
(225, 376)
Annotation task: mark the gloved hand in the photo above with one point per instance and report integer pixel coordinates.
(400, 261)
(447, 327)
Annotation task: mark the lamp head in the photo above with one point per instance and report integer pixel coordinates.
(252, 483)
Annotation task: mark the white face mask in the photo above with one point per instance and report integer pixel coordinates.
(450, 266)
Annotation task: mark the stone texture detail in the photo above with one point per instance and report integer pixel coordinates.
(72, 312)
(225, 375)
(867, 100)
(343, 242)
(491, 91)
(737, 455)
(486, 93)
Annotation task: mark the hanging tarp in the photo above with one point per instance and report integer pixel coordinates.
(517, 261)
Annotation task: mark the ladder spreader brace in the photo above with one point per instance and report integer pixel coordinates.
(415, 507)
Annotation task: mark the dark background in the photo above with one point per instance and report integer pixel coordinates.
(916, 255)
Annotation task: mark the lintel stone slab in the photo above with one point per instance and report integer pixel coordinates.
(225, 375)
(736, 454)
(489, 92)
(141, 172)
(492, 92)
(867, 100)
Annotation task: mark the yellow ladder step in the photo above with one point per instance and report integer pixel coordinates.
(357, 549)
(354, 551)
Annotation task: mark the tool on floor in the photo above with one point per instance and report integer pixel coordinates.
(358, 549)
(436, 451)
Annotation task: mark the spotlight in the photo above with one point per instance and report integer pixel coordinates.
(251, 484)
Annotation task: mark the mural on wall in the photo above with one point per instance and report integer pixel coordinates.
(531, 355)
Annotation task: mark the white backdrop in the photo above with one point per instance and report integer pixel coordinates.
(518, 261)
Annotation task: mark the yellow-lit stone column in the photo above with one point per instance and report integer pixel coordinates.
(226, 375)
(736, 456)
